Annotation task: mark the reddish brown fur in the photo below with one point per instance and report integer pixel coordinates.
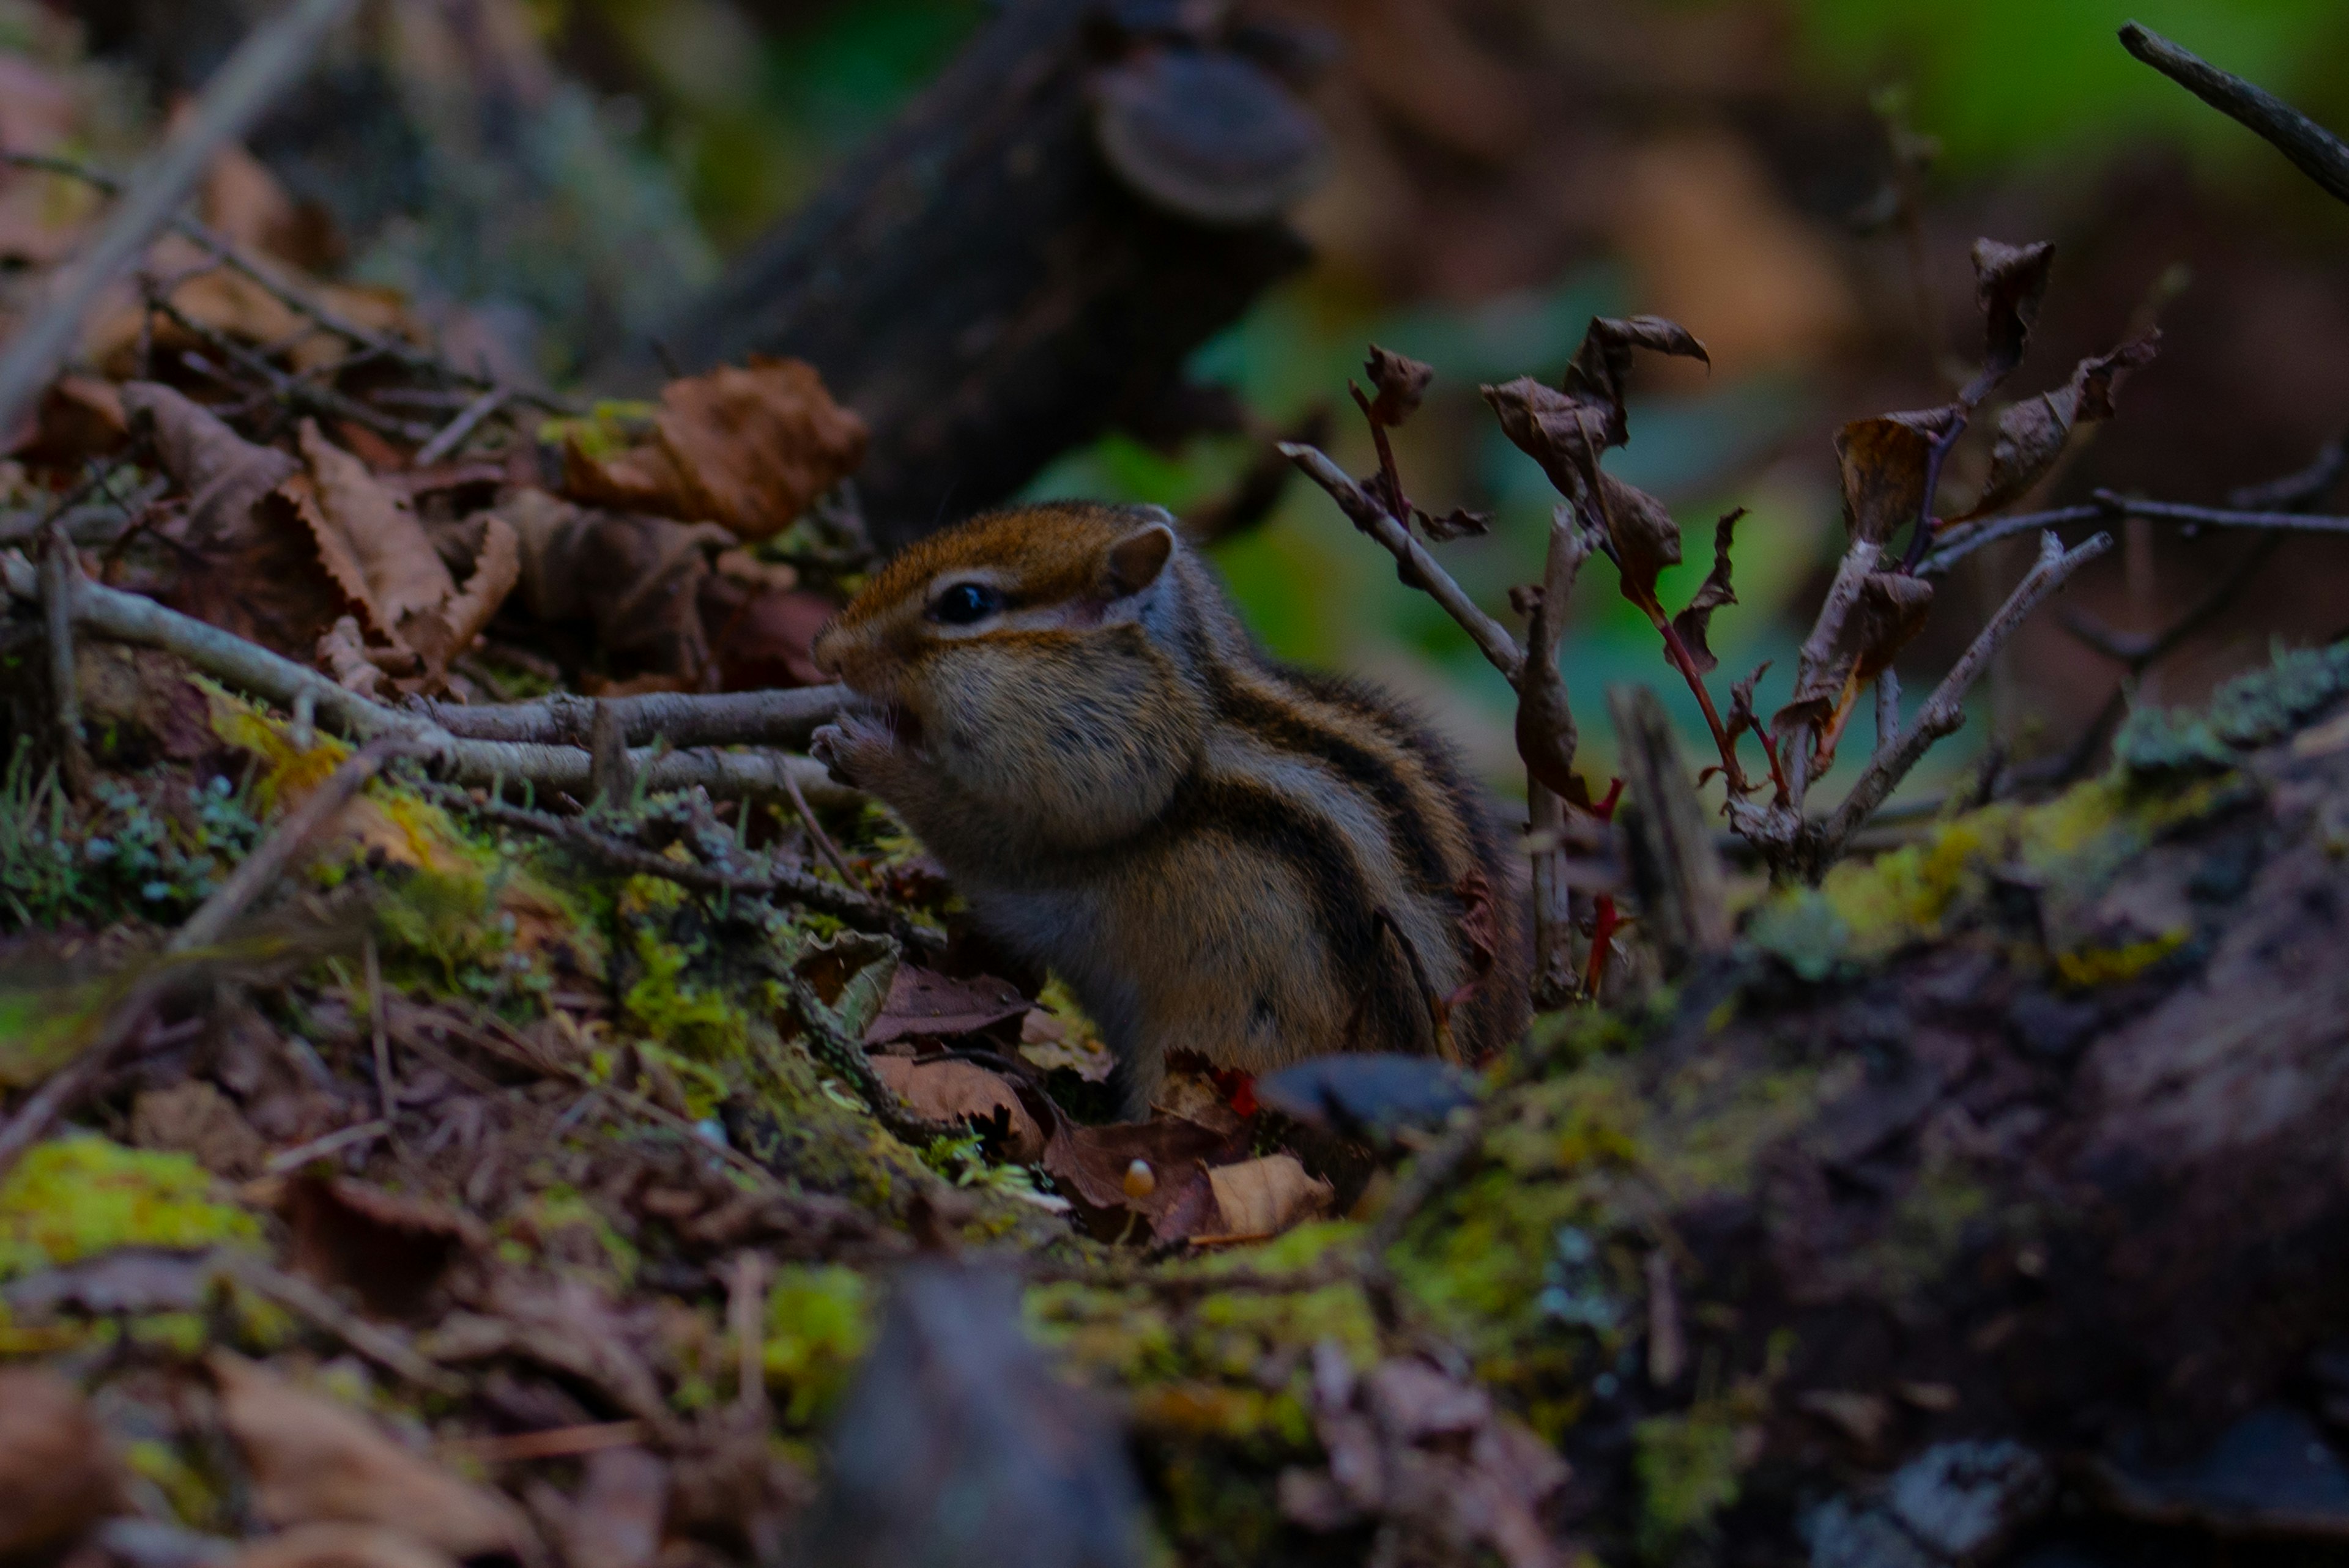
(1214, 850)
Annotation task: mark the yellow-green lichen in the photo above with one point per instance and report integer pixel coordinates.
(72, 1197)
(1688, 1466)
(819, 1321)
(2089, 966)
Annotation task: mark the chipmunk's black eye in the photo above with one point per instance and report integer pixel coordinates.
(965, 603)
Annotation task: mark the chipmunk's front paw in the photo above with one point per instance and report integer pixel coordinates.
(856, 750)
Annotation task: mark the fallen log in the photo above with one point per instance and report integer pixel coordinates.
(2014, 1153)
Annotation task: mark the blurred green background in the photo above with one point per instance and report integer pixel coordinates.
(1797, 181)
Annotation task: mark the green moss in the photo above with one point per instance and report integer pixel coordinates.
(1928, 1229)
(819, 1321)
(1688, 1466)
(72, 1197)
(1476, 1264)
(193, 1500)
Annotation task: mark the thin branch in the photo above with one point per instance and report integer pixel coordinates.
(1944, 712)
(454, 433)
(2108, 505)
(60, 567)
(785, 718)
(2313, 151)
(849, 905)
(272, 57)
(2221, 517)
(1419, 568)
(226, 656)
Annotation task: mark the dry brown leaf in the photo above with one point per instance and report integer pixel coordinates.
(193, 1117)
(925, 1002)
(369, 538)
(80, 417)
(748, 449)
(249, 569)
(340, 1546)
(221, 473)
(58, 1473)
(636, 580)
(389, 1248)
(952, 1090)
(379, 554)
(314, 1460)
(1091, 1164)
(1265, 1196)
(1695, 624)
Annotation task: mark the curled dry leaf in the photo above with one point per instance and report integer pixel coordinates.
(380, 556)
(925, 1004)
(314, 1460)
(58, 1473)
(2008, 283)
(1695, 624)
(635, 582)
(1457, 524)
(1603, 365)
(1889, 612)
(1887, 464)
(340, 1546)
(2032, 433)
(221, 473)
(951, 1091)
(1401, 384)
(1265, 1196)
(747, 448)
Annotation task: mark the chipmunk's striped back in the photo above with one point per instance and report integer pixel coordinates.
(1217, 851)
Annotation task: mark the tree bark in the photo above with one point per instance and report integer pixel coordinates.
(980, 285)
(2066, 1171)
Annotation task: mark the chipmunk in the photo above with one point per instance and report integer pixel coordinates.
(1214, 850)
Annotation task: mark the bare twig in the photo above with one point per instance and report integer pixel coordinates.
(786, 717)
(66, 1087)
(845, 903)
(1419, 568)
(131, 618)
(60, 567)
(290, 390)
(822, 841)
(2313, 151)
(2108, 505)
(846, 1055)
(269, 60)
(746, 1319)
(454, 433)
(1944, 712)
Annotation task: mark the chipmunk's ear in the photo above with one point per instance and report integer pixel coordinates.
(1136, 560)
